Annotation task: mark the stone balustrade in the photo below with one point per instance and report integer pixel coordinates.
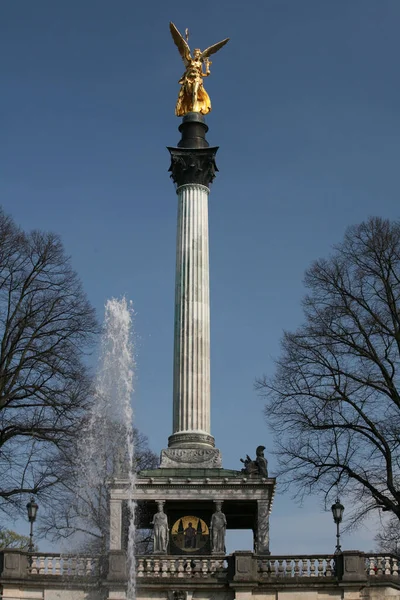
(65, 566)
(297, 566)
(378, 564)
(181, 567)
(261, 568)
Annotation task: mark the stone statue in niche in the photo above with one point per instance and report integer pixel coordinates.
(160, 530)
(259, 466)
(218, 530)
(177, 595)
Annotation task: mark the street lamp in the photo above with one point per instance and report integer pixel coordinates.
(337, 512)
(32, 509)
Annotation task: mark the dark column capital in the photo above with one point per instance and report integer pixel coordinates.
(193, 165)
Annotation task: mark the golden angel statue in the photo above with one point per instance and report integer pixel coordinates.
(192, 95)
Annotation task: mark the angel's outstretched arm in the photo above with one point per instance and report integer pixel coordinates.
(207, 64)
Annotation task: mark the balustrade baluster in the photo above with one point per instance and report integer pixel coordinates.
(304, 567)
(156, 563)
(140, 567)
(148, 566)
(296, 570)
(388, 570)
(281, 569)
(164, 568)
(42, 566)
(372, 566)
(312, 568)
(213, 566)
(289, 567)
(379, 566)
(219, 564)
(33, 568)
(320, 567)
(270, 568)
(197, 568)
(204, 568)
(89, 566)
(328, 570)
(57, 566)
(273, 568)
(395, 567)
(80, 568)
(181, 568)
(49, 570)
(263, 567)
(73, 566)
(172, 567)
(286, 568)
(188, 568)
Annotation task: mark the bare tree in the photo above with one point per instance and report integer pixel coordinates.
(334, 401)
(46, 325)
(388, 538)
(80, 513)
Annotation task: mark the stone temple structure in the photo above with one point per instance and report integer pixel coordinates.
(190, 501)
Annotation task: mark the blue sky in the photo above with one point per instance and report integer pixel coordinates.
(306, 100)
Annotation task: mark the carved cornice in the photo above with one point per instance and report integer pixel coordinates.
(189, 439)
(193, 165)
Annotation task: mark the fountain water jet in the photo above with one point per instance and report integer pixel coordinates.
(112, 413)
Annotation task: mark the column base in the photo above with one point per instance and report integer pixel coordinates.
(191, 439)
(191, 450)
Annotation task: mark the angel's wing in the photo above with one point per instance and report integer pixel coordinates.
(180, 43)
(213, 49)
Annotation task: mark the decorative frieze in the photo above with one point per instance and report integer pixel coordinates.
(262, 536)
(189, 458)
(115, 524)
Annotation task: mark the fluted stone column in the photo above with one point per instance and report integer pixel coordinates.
(191, 412)
(192, 170)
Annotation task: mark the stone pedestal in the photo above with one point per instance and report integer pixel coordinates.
(117, 566)
(191, 458)
(350, 566)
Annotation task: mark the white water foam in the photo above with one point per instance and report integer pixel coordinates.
(112, 412)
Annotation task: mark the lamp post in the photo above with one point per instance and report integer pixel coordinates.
(337, 512)
(32, 509)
